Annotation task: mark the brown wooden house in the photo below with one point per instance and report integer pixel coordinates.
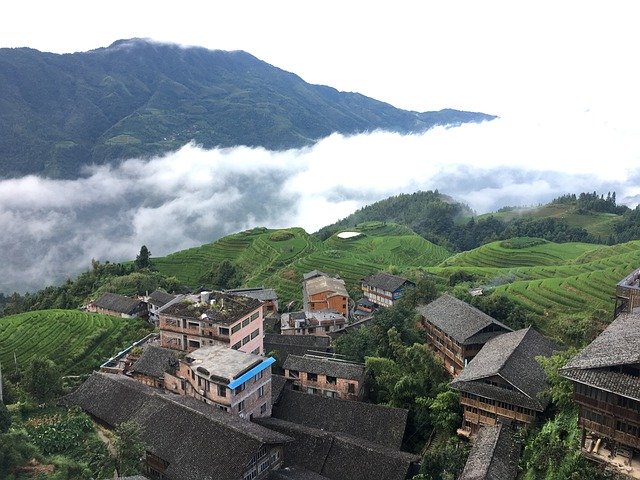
(504, 381)
(384, 289)
(323, 292)
(606, 381)
(456, 331)
(628, 293)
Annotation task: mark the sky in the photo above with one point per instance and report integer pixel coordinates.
(560, 75)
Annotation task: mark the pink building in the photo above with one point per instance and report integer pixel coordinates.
(214, 319)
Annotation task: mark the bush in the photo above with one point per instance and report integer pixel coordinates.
(281, 236)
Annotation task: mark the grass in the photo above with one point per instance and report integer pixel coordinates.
(77, 341)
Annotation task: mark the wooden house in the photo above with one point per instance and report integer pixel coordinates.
(323, 292)
(384, 289)
(117, 305)
(493, 456)
(152, 364)
(606, 387)
(456, 331)
(504, 381)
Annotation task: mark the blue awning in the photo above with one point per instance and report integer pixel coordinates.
(252, 373)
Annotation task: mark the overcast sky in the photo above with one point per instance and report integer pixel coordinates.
(562, 77)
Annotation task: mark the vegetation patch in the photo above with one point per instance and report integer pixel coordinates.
(281, 235)
(522, 242)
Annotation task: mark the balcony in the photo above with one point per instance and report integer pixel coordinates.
(611, 433)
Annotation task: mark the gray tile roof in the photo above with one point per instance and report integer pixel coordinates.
(117, 303)
(351, 326)
(604, 379)
(262, 294)
(196, 439)
(619, 344)
(278, 383)
(325, 366)
(322, 284)
(340, 456)
(295, 473)
(375, 423)
(458, 319)
(314, 273)
(494, 455)
(510, 356)
(155, 361)
(287, 345)
(159, 298)
(386, 281)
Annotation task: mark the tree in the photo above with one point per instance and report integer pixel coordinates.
(5, 418)
(129, 448)
(560, 390)
(224, 275)
(43, 379)
(143, 259)
(446, 413)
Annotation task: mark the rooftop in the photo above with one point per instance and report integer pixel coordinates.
(286, 345)
(117, 303)
(221, 308)
(385, 281)
(222, 363)
(159, 298)
(155, 361)
(494, 455)
(510, 356)
(262, 294)
(325, 366)
(322, 284)
(459, 319)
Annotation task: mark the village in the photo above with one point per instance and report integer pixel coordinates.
(230, 387)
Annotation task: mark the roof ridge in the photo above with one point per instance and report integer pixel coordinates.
(515, 348)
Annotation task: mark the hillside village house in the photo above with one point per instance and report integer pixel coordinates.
(384, 289)
(325, 376)
(504, 381)
(233, 381)
(118, 306)
(152, 364)
(311, 323)
(323, 292)
(267, 296)
(456, 331)
(628, 294)
(493, 456)
(158, 301)
(281, 346)
(215, 318)
(606, 386)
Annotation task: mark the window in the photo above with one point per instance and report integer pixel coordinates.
(351, 388)
(259, 375)
(254, 316)
(245, 340)
(239, 388)
(241, 406)
(223, 331)
(236, 346)
(245, 322)
(222, 391)
(255, 333)
(235, 328)
(263, 466)
(261, 391)
(312, 377)
(263, 409)
(331, 380)
(294, 373)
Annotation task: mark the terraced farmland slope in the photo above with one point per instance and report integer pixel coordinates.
(77, 341)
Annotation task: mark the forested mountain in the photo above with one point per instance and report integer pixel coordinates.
(138, 98)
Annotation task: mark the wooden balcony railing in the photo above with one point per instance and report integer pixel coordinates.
(611, 433)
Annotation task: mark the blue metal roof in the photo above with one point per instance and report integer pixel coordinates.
(252, 373)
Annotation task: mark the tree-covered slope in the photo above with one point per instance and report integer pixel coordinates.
(138, 98)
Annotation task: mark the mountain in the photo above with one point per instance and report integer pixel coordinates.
(140, 98)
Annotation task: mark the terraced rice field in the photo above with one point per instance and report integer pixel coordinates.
(77, 341)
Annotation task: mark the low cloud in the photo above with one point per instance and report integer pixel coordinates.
(53, 228)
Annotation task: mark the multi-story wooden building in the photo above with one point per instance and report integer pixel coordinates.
(628, 294)
(606, 381)
(325, 376)
(456, 331)
(118, 306)
(322, 292)
(504, 381)
(384, 289)
(233, 381)
(152, 364)
(216, 319)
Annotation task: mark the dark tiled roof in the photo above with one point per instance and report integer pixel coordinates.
(159, 298)
(352, 326)
(338, 456)
(278, 383)
(619, 344)
(375, 423)
(117, 303)
(313, 273)
(457, 318)
(295, 473)
(154, 361)
(365, 302)
(262, 294)
(325, 366)
(287, 345)
(494, 455)
(604, 379)
(513, 397)
(511, 356)
(385, 281)
(229, 308)
(196, 439)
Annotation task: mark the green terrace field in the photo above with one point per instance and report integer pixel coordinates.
(77, 341)
(597, 224)
(555, 281)
(278, 258)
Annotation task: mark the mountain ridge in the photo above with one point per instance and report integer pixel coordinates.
(139, 98)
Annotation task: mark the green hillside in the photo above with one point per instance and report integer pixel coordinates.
(77, 341)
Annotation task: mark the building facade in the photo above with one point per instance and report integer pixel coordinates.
(457, 331)
(233, 321)
(311, 323)
(322, 292)
(325, 376)
(384, 289)
(117, 305)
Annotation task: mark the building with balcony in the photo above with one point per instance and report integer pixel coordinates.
(321, 322)
(504, 381)
(628, 294)
(158, 301)
(606, 387)
(384, 289)
(330, 377)
(323, 292)
(152, 364)
(214, 319)
(233, 381)
(456, 331)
